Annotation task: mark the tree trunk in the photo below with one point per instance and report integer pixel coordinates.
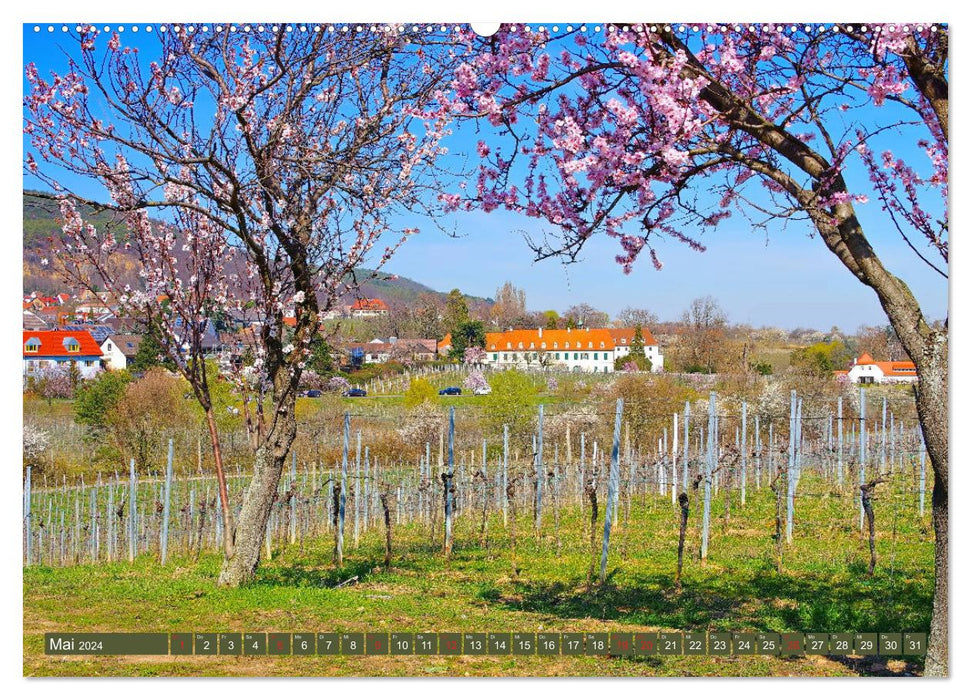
(682, 530)
(591, 491)
(227, 512)
(338, 533)
(386, 506)
(511, 499)
(268, 466)
(932, 397)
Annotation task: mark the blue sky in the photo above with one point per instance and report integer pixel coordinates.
(784, 279)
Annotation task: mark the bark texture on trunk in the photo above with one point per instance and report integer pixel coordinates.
(932, 405)
(268, 466)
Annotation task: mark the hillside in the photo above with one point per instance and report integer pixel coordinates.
(41, 227)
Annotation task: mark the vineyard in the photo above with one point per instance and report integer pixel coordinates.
(587, 521)
(463, 477)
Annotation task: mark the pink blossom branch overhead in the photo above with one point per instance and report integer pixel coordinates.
(645, 132)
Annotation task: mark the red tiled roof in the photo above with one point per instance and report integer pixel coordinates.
(52, 344)
(624, 336)
(531, 339)
(892, 369)
(369, 305)
(445, 342)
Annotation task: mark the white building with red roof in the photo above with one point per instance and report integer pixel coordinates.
(368, 308)
(573, 349)
(50, 349)
(866, 370)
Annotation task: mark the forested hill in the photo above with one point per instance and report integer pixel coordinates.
(42, 226)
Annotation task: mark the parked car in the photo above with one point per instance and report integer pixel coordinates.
(450, 391)
(483, 390)
(355, 391)
(314, 393)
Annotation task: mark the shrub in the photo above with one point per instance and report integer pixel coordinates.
(97, 397)
(420, 391)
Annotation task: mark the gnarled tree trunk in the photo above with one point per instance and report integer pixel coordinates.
(931, 392)
(268, 467)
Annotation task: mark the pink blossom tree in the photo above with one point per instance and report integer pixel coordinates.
(284, 154)
(475, 380)
(338, 384)
(646, 132)
(474, 356)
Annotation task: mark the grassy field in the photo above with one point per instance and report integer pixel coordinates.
(824, 588)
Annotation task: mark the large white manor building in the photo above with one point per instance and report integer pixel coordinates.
(573, 349)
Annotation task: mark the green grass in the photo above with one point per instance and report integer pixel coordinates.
(823, 588)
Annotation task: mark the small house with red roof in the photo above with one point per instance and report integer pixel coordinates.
(368, 308)
(50, 349)
(866, 370)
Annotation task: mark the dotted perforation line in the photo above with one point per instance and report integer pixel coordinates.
(444, 28)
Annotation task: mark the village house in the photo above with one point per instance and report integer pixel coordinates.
(573, 349)
(866, 370)
(208, 336)
(119, 350)
(49, 349)
(92, 305)
(33, 322)
(379, 350)
(368, 308)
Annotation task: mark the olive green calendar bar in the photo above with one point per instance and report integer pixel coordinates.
(519, 643)
(106, 643)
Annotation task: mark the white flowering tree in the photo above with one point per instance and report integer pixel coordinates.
(36, 441)
(423, 424)
(276, 162)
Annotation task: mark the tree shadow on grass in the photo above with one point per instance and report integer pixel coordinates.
(878, 666)
(753, 601)
(306, 576)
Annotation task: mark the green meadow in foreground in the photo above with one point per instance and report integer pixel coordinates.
(824, 587)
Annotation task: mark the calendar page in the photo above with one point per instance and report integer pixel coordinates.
(572, 348)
